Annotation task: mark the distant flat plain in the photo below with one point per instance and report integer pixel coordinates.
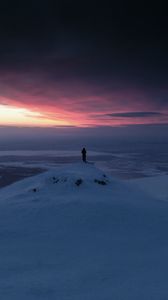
(123, 164)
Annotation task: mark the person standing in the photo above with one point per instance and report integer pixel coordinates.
(84, 154)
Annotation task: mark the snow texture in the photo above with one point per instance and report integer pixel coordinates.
(76, 233)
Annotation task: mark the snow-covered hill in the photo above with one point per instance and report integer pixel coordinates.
(76, 233)
(71, 180)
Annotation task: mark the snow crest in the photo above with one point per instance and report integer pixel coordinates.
(68, 178)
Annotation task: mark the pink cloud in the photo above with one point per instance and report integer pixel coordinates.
(76, 101)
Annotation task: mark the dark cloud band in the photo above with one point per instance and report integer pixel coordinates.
(138, 114)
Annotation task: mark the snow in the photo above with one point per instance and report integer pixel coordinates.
(50, 153)
(156, 186)
(100, 240)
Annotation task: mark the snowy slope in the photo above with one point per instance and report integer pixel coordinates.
(97, 240)
(156, 186)
(60, 181)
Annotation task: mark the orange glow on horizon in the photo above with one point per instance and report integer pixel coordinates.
(29, 115)
(13, 116)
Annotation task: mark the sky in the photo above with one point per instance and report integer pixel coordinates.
(83, 64)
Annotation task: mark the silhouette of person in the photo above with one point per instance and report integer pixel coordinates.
(84, 154)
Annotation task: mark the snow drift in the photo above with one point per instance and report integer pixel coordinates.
(76, 233)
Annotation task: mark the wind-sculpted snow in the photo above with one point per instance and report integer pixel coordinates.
(58, 181)
(64, 235)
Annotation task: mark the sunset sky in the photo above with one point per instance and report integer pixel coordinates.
(84, 64)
